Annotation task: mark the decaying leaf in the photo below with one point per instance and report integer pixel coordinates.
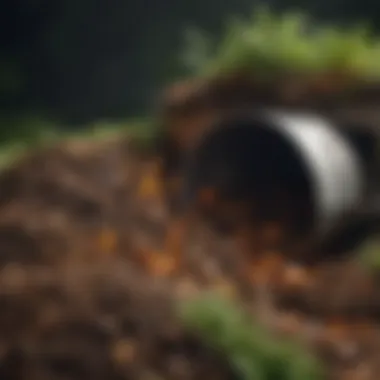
(108, 240)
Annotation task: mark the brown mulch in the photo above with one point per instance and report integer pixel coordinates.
(78, 302)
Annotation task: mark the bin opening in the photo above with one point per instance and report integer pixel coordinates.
(257, 174)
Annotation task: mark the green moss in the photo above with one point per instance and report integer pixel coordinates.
(253, 352)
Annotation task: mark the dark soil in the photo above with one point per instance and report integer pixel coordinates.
(78, 300)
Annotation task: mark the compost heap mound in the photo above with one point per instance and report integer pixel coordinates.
(79, 222)
(188, 108)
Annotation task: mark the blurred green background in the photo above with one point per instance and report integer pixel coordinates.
(76, 62)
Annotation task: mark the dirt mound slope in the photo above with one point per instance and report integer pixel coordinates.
(78, 223)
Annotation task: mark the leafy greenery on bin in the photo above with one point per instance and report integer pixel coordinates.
(269, 44)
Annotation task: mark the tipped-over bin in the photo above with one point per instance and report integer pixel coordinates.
(300, 171)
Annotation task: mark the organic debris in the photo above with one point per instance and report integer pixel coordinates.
(79, 229)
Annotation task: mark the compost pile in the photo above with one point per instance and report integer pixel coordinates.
(80, 223)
